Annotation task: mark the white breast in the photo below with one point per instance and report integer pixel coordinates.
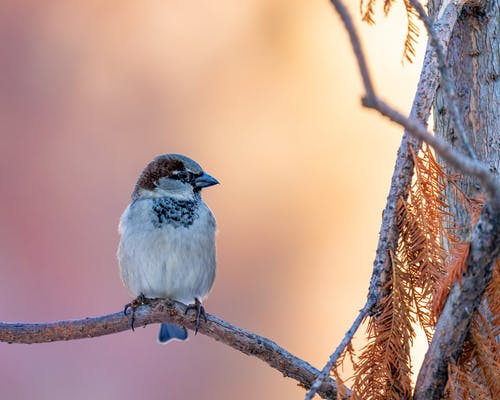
(166, 261)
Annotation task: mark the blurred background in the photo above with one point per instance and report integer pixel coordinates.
(265, 95)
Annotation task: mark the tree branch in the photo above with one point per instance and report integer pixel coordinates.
(157, 311)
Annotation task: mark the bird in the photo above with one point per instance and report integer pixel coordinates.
(167, 238)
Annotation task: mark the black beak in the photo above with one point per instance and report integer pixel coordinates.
(204, 181)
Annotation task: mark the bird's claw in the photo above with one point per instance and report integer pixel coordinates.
(200, 312)
(133, 305)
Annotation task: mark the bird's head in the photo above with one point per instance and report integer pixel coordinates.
(172, 175)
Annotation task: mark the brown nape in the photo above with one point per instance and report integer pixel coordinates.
(161, 166)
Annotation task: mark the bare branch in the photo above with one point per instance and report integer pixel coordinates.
(157, 311)
(339, 350)
(463, 301)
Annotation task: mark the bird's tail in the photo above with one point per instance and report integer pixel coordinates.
(171, 332)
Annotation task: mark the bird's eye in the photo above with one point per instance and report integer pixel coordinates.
(181, 175)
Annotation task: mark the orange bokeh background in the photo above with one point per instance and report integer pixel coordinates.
(266, 96)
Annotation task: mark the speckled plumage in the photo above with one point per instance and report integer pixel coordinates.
(175, 212)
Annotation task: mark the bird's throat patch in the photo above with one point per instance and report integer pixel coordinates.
(174, 212)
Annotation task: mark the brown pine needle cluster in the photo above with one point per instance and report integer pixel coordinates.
(418, 265)
(422, 231)
(429, 260)
(384, 367)
(368, 15)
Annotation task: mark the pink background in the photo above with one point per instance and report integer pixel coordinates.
(266, 96)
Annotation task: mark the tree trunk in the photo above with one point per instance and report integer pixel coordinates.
(474, 65)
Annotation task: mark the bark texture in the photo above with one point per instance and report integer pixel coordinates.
(474, 65)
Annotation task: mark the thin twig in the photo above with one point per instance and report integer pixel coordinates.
(339, 350)
(446, 80)
(157, 311)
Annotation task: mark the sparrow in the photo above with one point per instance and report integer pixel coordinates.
(167, 238)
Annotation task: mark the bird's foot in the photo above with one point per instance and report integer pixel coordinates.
(200, 312)
(132, 306)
